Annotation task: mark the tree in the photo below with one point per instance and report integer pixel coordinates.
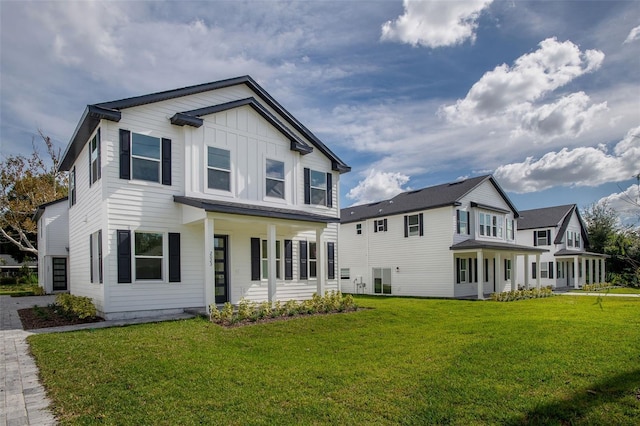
(27, 182)
(602, 225)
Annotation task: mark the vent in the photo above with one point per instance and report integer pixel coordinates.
(456, 183)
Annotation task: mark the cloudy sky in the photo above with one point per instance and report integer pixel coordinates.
(545, 95)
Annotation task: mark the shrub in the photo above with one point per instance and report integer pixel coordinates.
(79, 306)
(532, 293)
(597, 286)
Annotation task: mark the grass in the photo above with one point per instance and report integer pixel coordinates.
(560, 360)
(617, 290)
(19, 289)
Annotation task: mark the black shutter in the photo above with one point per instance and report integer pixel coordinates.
(470, 263)
(174, 257)
(307, 186)
(375, 226)
(486, 270)
(73, 190)
(468, 223)
(550, 269)
(125, 154)
(406, 227)
(535, 238)
(475, 269)
(331, 262)
(99, 155)
(534, 272)
(457, 269)
(421, 223)
(549, 238)
(90, 257)
(329, 190)
(124, 256)
(505, 269)
(384, 225)
(457, 221)
(100, 256)
(91, 177)
(255, 259)
(303, 260)
(166, 161)
(288, 259)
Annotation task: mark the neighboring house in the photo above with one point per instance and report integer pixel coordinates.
(199, 195)
(9, 267)
(52, 220)
(452, 240)
(559, 229)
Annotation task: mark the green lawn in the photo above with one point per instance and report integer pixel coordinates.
(617, 290)
(561, 360)
(18, 289)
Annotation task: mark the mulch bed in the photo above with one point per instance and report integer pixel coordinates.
(46, 316)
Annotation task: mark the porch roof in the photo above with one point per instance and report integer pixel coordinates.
(494, 245)
(253, 210)
(581, 253)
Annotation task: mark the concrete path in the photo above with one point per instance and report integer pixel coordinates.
(23, 400)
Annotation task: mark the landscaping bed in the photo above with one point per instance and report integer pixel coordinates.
(50, 316)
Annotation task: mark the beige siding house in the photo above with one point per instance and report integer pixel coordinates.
(452, 240)
(199, 195)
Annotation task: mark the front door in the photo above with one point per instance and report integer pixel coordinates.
(59, 270)
(221, 268)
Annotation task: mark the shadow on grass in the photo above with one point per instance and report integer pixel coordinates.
(619, 390)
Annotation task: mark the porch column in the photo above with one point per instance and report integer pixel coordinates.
(584, 271)
(271, 260)
(320, 261)
(538, 271)
(526, 271)
(209, 277)
(514, 272)
(499, 278)
(576, 278)
(480, 277)
(596, 276)
(602, 268)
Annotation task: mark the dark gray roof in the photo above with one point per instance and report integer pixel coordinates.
(565, 252)
(111, 111)
(494, 245)
(544, 218)
(253, 210)
(447, 194)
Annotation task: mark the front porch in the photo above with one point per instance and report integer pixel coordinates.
(577, 268)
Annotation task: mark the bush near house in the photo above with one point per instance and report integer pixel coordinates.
(532, 293)
(79, 306)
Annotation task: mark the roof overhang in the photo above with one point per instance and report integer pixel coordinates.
(573, 253)
(472, 244)
(488, 207)
(253, 210)
(41, 208)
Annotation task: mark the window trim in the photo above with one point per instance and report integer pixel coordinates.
(96, 273)
(312, 260)
(358, 228)
(308, 188)
(72, 187)
(229, 171)
(380, 225)
(163, 258)
(419, 224)
(144, 158)
(268, 178)
(94, 158)
(264, 260)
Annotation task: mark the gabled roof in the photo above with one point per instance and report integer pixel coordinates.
(549, 217)
(111, 111)
(447, 194)
(41, 208)
(545, 217)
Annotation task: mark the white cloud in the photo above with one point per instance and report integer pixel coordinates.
(378, 186)
(584, 166)
(435, 23)
(634, 35)
(626, 203)
(509, 94)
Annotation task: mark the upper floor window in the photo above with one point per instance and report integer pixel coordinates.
(144, 157)
(380, 225)
(542, 238)
(569, 238)
(275, 178)
(413, 225)
(318, 188)
(491, 225)
(511, 229)
(358, 228)
(72, 186)
(94, 158)
(576, 239)
(218, 168)
(462, 222)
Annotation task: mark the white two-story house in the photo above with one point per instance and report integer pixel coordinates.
(568, 263)
(199, 195)
(452, 240)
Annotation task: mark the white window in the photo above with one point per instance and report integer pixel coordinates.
(544, 270)
(462, 270)
(569, 238)
(318, 188)
(542, 238)
(380, 225)
(218, 169)
(313, 260)
(507, 269)
(265, 259)
(95, 257)
(510, 229)
(576, 239)
(345, 274)
(145, 157)
(413, 224)
(94, 158)
(275, 178)
(463, 222)
(499, 222)
(382, 280)
(149, 256)
(358, 228)
(491, 225)
(72, 187)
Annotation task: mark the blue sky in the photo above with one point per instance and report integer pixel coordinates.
(545, 95)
